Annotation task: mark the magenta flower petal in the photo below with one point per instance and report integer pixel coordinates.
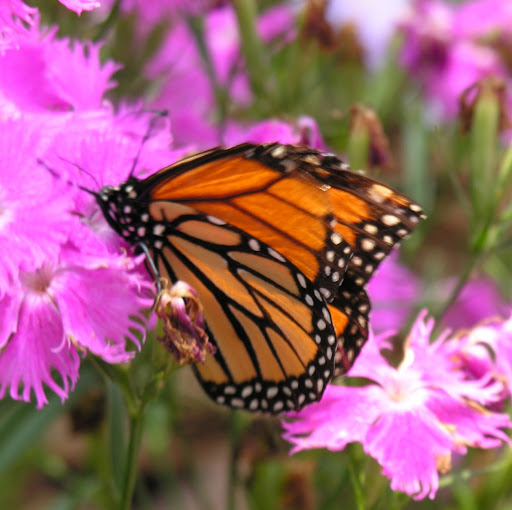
(80, 5)
(483, 18)
(344, 415)
(411, 461)
(486, 351)
(98, 307)
(37, 348)
(412, 418)
(9, 305)
(34, 218)
(12, 13)
(450, 47)
(304, 131)
(64, 75)
(480, 429)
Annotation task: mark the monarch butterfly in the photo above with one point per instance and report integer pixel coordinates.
(279, 242)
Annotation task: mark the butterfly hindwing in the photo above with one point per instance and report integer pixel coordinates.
(275, 343)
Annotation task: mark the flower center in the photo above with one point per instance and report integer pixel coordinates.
(39, 280)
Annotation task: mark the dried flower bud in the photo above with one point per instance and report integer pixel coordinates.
(364, 122)
(181, 314)
(490, 89)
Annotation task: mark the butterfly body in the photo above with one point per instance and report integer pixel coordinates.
(279, 242)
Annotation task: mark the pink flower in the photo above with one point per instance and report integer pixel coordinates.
(68, 284)
(445, 48)
(412, 419)
(466, 64)
(483, 19)
(80, 5)
(32, 204)
(486, 351)
(57, 312)
(12, 14)
(304, 131)
(64, 76)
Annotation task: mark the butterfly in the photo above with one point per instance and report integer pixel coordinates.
(279, 242)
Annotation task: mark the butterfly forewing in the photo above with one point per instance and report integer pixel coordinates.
(274, 204)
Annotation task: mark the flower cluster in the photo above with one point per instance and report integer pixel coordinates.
(449, 47)
(414, 417)
(64, 273)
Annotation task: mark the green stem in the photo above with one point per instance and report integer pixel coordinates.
(195, 25)
(117, 375)
(109, 21)
(356, 485)
(252, 47)
(132, 455)
(233, 474)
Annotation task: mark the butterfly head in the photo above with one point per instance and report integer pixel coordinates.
(121, 208)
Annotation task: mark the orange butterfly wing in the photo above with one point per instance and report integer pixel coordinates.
(335, 225)
(279, 242)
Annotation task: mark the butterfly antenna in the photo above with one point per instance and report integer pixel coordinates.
(151, 126)
(83, 170)
(68, 182)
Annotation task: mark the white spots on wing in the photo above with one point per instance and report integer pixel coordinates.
(254, 245)
(336, 238)
(367, 244)
(272, 392)
(279, 152)
(357, 261)
(371, 229)
(246, 391)
(390, 220)
(276, 255)
(326, 293)
(302, 280)
(158, 229)
(215, 220)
